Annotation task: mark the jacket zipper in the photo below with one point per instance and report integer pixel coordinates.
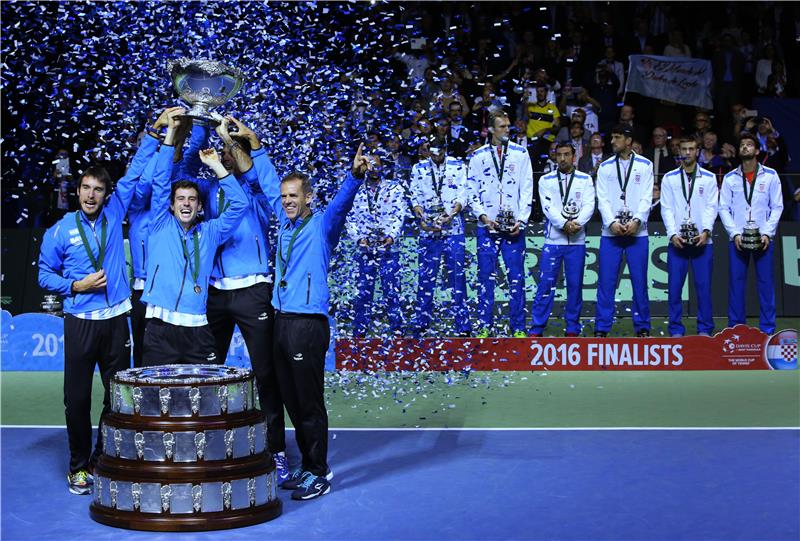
(155, 273)
(308, 289)
(144, 256)
(258, 247)
(183, 282)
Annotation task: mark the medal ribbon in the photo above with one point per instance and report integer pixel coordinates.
(691, 185)
(500, 169)
(222, 205)
(97, 263)
(370, 202)
(565, 195)
(437, 184)
(195, 270)
(624, 187)
(283, 263)
(749, 197)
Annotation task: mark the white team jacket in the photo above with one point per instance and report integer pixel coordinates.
(454, 189)
(581, 192)
(639, 192)
(767, 202)
(389, 211)
(704, 206)
(484, 185)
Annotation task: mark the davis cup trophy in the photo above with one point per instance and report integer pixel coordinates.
(435, 217)
(751, 236)
(570, 211)
(688, 230)
(204, 84)
(624, 214)
(505, 219)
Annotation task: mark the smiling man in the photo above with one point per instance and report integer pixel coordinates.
(182, 251)
(83, 259)
(305, 242)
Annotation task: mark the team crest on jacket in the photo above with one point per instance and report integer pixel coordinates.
(637, 179)
(577, 195)
(761, 187)
(700, 190)
(511, 168)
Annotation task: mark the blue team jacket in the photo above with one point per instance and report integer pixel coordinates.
(306, 273)
(246, 252)
(63, 258)
(139, 210)
(169, 281)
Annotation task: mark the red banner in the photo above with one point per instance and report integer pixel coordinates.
(737, 348)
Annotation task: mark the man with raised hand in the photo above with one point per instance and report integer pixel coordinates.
(82, 258)
(624, 194)
(306, 240)
(751, 192)
(689, 197)
(182, 250)
(438, 194)
(241, 284)
(500, 184)
(567, 197)
(375, 223)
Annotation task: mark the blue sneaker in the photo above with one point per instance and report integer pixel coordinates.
(281, 467)
(296, 477)
(311, 487)
(80, 482)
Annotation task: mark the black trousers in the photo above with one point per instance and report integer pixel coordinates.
(165, 343)
(251, 309)
(87, 343)
(301, 342)
(138, 323)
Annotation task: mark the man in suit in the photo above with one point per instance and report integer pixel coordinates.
(659, 154)
(596, 155)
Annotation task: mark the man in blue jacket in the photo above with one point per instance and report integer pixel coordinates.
(305, 242)
(240, 292)
(139, 224)
(182, 251)
(83, 259)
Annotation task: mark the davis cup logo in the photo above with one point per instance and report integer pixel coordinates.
(781, 350)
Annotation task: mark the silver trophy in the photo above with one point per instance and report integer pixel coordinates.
(505, 220)
(751, 236)
(688, 231)
(376, 236)
(435, 217)
(204, 84)
(52, 305)
(624, 215)
(570, 211)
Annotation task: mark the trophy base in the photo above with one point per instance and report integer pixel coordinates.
(200, 113)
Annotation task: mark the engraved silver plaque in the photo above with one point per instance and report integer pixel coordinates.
(185, 451)
(181, 498)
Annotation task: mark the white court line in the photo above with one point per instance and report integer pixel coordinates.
(511, 429)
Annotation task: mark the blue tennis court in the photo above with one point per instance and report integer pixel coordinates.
(572, 484)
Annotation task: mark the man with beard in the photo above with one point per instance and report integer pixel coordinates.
(624, 195)
(751, 192)
(438, 195)
(83, 259)
(567, 197)
(689, 196)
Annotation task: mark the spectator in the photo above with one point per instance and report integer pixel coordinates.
(702, 123)
(676, 46)
(579, 146)
(578, 115)
(776, 82)
(592, 160)
(627, 117)
(658, 153)
(764, 68)
(543, 118)
(609, 63)
(728, 66)
(448, 94)
(578, 98)
(605, 93)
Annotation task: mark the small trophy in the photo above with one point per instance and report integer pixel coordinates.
(505, 220)
(52, 305)
(689, 231)
(624, 215)
(570, 211)
(376, 237)
(204, 84)
(435, 217)
(751, 236)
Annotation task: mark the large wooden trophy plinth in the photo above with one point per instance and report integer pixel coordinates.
(184, 448)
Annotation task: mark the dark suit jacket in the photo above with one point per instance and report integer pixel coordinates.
(665, 164)
(585, 163)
